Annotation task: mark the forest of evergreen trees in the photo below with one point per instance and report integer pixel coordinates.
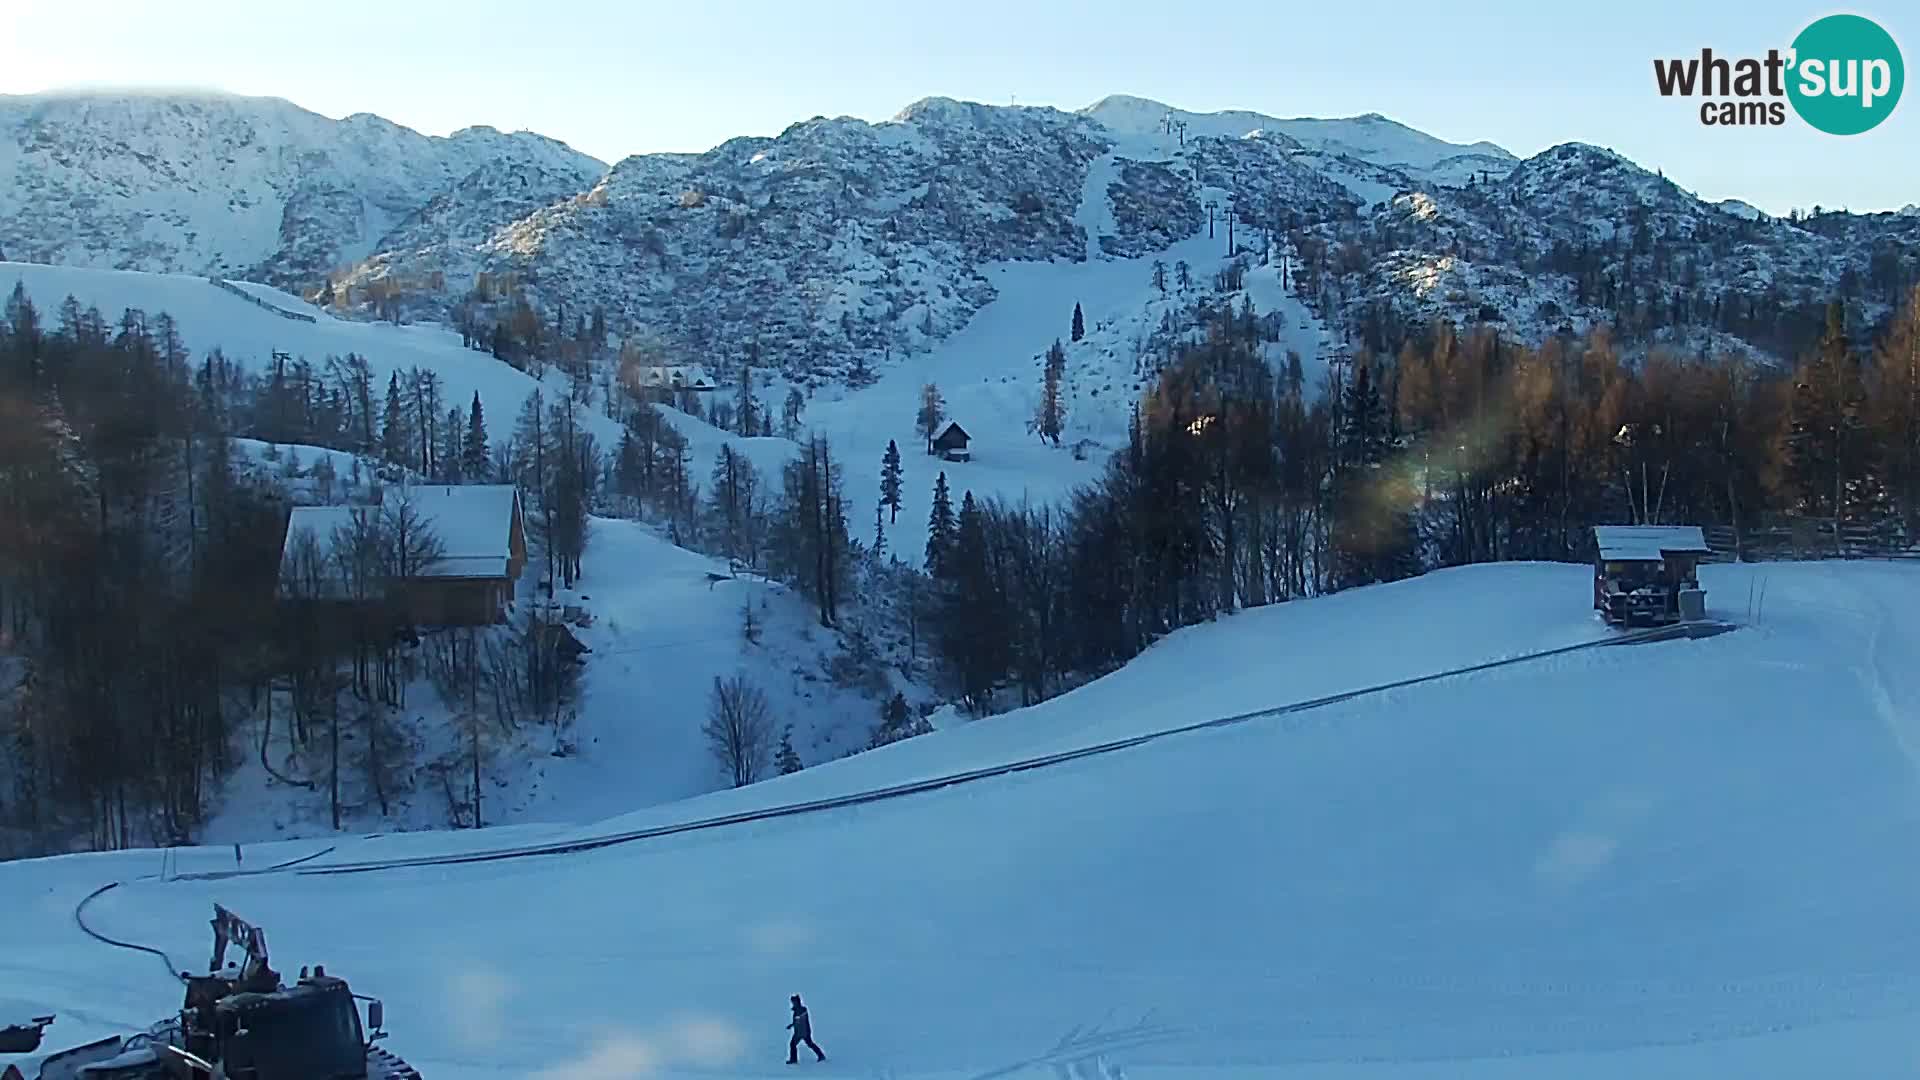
(1235, 492)
(135, 586)
(140, 560)
(138, 569)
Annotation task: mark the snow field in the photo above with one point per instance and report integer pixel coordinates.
(1658, 858)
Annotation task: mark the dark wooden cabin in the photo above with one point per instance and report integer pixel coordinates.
(1639, 571)
(951, 442)
(481, 531)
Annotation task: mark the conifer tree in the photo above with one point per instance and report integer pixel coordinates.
(1374, 533)
(1079, 323)
(396, 431)
(940, 526)
(746, 409)
(475, 459)
(1051, 416)
(973, 616)
(451, 459)
(890, 480)
(787, 760)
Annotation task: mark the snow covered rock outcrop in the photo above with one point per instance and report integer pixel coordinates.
(238, 186)
(1371, 138)
(837, 243)
(1578, 235)
(840, 245)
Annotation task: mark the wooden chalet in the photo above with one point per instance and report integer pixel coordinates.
(951, 442)
(481, 529)
(1640, 572)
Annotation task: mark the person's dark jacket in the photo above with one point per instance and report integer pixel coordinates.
(802, 1025)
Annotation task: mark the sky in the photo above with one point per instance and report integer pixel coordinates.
(635, 76)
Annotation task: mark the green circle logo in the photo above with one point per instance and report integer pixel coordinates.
(1846, 76)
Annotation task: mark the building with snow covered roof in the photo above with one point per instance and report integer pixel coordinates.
(474, 558)
(674, 377)
(1641, 571)
(951, 442)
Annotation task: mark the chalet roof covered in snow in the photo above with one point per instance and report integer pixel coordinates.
(473, 522)
(687, 375)
(951, 429)
(1648, 543)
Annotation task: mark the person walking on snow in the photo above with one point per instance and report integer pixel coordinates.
(802, 1028)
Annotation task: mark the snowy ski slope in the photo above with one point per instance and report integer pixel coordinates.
(211, 317)
(1669, 860)
(989, 372)
(637, 725)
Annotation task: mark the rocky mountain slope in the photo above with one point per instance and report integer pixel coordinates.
(839, 245)
(255, 187)
(1371, 138)
(1579, 235)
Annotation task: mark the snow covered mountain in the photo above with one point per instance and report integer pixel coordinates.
(837, 243)
(1371, 138)
(839, 246)
(1741, 208)
(211, 183)
(1578, 236)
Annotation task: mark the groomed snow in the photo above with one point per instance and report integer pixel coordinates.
(990, 371)
(663, 630)
(1669, 860)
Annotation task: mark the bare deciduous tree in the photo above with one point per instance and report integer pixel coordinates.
(739, 729)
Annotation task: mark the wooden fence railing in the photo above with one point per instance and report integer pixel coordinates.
(297, 316)
(1776, 539)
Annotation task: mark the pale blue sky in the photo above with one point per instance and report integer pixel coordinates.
(619, 78)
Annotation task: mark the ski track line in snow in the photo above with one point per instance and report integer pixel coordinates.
(1873, 677)
(916, 787)
(1071, 1056)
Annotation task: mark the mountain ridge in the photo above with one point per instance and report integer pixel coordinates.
(1398, 143)
(224, 183)
(840, 245)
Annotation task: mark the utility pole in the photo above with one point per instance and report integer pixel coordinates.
(473, 711)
